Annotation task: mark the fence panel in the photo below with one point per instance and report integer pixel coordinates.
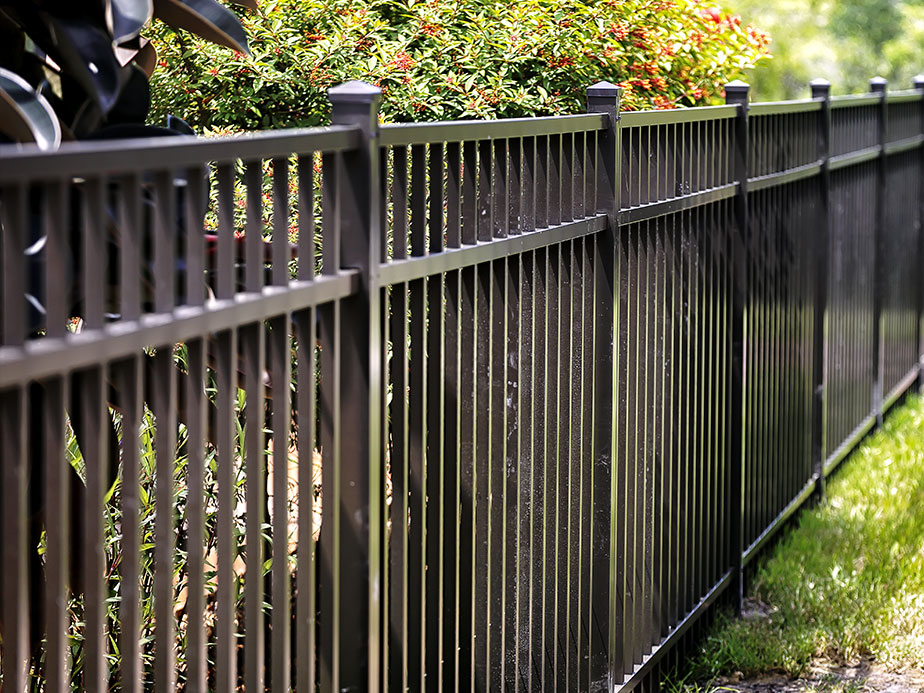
(779, 337)
(785, 213)
(490, 446)
(903, 116)
(854, 124)
(672, 503)
(901, 270)
(469, 405)
(671, 461)
(850, 369)
(161, 316)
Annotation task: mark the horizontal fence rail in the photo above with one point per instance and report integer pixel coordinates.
(487, 405)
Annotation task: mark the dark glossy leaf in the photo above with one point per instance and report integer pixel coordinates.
(134, 99)
(84, 51)
(126, 18)
(144, 56)
(249, 4)
(207, 18)
(179, 125)
(26, 116)
(87, 118)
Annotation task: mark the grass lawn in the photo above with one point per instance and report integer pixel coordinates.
(845, 586)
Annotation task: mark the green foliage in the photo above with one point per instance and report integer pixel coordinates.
(448, 59)
(847, 583)
(844, 41)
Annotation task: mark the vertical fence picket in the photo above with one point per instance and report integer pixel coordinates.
(90, 420)
(194, 403)
(452, 491)
(162, 393)
(278, 352)
(226, 593)
(14, 575)
(306, 577)
(50, 407)
(253, 358)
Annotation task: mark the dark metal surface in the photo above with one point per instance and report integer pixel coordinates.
(558, 381)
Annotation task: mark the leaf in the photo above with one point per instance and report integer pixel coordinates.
(179, 125)
(25, 115)
(126, 18)
(134, 99)
(207, 18)
(144, 56)
(84, 51)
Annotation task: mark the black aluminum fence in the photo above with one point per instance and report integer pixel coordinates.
(471, 405)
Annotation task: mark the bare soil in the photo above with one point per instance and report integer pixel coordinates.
(826, 677)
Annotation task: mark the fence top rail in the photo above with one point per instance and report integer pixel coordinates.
(781, 107)
(19, 164)
(671, 116)
(850, 100)
(49, 356)
(405, 134)
(905, 96)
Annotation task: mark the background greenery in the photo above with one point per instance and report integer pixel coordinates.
(843, 41)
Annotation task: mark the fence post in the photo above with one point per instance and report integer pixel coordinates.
(878, 85)
(14, 573)
(604, 97)
(821, 89)
(736, 93)
(919, 86)
(357, 330)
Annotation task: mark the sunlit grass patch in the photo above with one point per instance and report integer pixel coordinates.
(848, 582)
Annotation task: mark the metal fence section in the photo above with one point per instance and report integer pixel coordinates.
(784, 215)
(495, 294)
(467, 405)
(139, 440)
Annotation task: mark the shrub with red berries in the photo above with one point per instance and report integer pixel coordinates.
(448, 59)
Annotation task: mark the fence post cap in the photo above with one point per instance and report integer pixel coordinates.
(604, 97)
(821, 88)
(736, 92)
(878, 84)
(604, 89)
(354, 91)
(918, 81)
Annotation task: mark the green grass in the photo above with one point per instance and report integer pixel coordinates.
(848, 582)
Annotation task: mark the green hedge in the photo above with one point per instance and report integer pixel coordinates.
(450, 59)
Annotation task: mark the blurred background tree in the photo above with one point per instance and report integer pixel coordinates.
(844, 41)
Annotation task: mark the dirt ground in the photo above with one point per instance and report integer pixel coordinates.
(863, 676)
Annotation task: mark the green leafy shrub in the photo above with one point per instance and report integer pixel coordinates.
(448, 59)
